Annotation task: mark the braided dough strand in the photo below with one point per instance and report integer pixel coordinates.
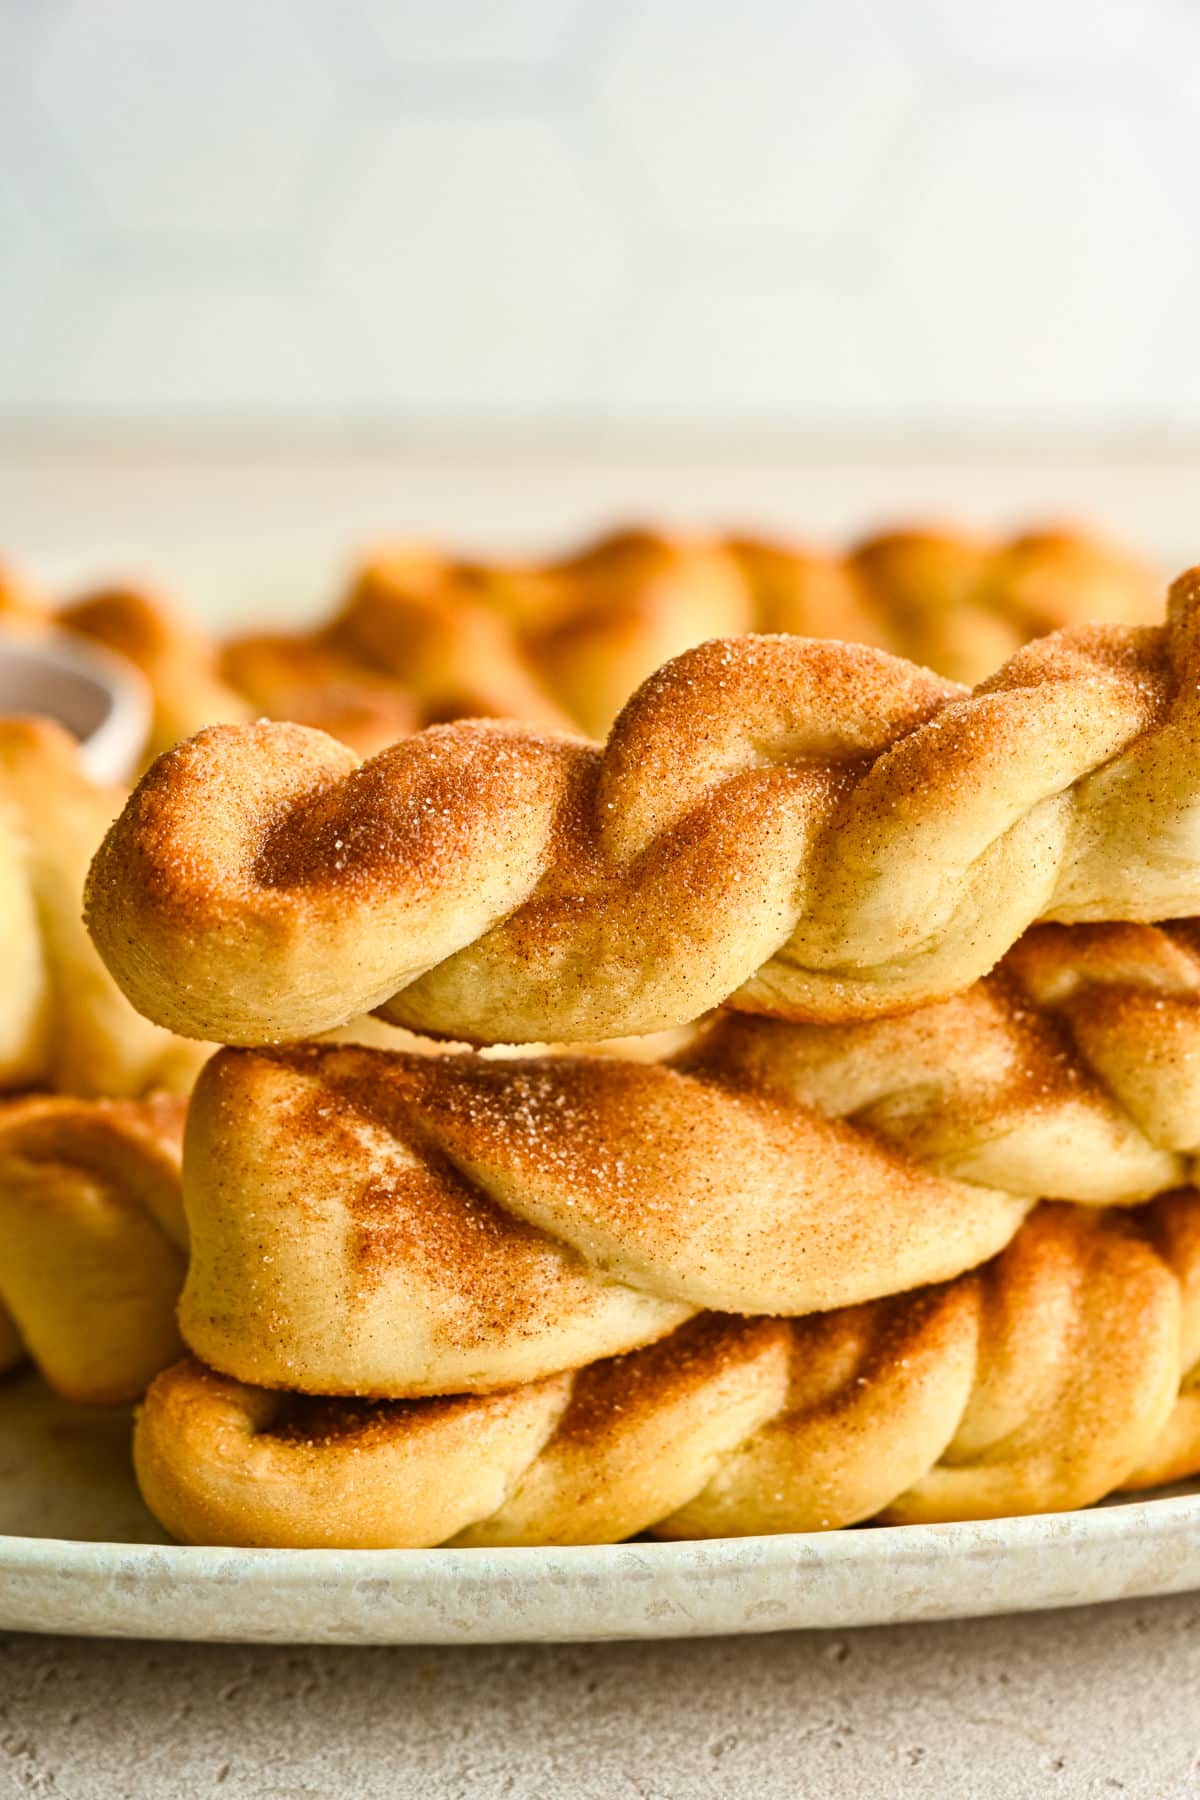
(1064, 1370)
(583, 632)
(810, 830)
(425, 1224)
(371, 1223)
(1072, 1072)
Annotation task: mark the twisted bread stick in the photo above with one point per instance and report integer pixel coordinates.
(91, 1220)
(371, 1223)
(423, 638)
(962, 606)
(582, 633)
(409, 1225)
(1065, 1369)
(63, 1023)
(554, 645)
(1072, 1072)
(805, 829)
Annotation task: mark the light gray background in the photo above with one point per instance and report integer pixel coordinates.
(1099, 1704)
(799, 215)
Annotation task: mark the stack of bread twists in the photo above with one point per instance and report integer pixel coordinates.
(91, 1093)
(860, 1184)
(904, 1228)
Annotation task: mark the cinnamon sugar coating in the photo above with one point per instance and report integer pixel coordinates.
(94, 1241)
(810, 830)
(1065, 1369)
(381, 1223)
(369, 1223)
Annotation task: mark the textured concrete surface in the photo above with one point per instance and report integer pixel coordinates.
(1095, 1704)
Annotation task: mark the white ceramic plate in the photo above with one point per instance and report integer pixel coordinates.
(90, 1559)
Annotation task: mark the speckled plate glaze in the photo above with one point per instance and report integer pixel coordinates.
(83, 1555)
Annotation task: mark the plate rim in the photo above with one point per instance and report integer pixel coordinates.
(891, 1545)
(536, 1594)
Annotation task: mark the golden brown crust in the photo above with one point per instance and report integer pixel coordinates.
(94, 1240)
(1059, 1373)
(805, 829)
(1072, 1072)
(63, 1022)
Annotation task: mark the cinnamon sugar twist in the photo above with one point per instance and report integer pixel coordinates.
(371, 1222)
(388, 1224)
(806, 829)
(1064, 1370)
(1072, 1072)
(94, 1241)
(63, 1022)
